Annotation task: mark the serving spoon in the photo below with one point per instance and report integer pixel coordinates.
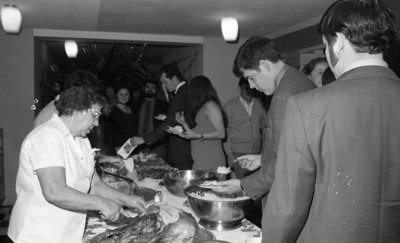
(204, 174)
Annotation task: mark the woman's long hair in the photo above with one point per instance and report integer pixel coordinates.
(200, 91)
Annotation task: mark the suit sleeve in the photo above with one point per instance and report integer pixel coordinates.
(293, 187)
(259, 183)
(277, 121)
(177, 105)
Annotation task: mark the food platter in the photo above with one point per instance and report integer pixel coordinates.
(150, 166)
(127, 185)
(203, 235)
(160, 223)
(149, 160)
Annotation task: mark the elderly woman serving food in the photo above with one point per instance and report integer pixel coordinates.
(56, 181)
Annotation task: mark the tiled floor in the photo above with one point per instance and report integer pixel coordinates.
(5, 213)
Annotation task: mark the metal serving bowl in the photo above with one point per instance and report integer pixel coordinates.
(222, 214)
(177, 181)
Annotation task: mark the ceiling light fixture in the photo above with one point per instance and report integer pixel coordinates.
(11, 19)
(230, 28)
(71, 48)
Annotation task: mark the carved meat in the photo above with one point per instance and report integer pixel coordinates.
(152, 228)
(183, 230)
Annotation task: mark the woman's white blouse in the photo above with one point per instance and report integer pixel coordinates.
(33, 219)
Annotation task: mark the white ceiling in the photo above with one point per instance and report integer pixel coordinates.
(177, 17)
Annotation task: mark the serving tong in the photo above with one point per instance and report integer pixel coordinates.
(118, 176)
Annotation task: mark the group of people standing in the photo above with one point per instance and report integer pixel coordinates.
(208, 127)
(196, 107)
(329, 167)
(126, 118)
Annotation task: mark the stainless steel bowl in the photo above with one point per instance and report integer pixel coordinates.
(177, 181)
(224, 214)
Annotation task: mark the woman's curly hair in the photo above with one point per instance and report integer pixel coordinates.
(78, 99)
(309, 67)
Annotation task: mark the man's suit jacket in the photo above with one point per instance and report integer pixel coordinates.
(179, 152)
(162, 95)
(292, 82)
(338, 167)
(160, 108)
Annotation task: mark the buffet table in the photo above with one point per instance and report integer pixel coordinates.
(246, 233)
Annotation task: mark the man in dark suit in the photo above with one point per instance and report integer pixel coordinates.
(258, 60)
(152, 113)
(338, 166)
(178, 152)
(163, 94)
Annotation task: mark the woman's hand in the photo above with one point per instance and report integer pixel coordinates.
(189, 134)
(109, 210)
(135, 202)
(180, 118)
(249, 161)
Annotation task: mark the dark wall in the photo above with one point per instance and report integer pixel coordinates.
(392, 57)
(299, 39)
(393, 54)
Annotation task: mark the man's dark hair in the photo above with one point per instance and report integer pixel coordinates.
(368, 24)
(152, 81)
(170, 71)
(78, 99)
(243, 81)
(252, 51)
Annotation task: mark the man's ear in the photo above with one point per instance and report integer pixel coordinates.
(264, 65)
(175, 79)
(338, 46)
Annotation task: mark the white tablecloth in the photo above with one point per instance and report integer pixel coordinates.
(239, 235)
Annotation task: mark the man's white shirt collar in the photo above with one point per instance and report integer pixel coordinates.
(249, 106)
(366, 62)
(179, 85)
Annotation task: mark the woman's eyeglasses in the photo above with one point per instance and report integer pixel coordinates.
(95, 112)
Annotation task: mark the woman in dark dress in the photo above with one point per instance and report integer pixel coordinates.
(123, 118)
